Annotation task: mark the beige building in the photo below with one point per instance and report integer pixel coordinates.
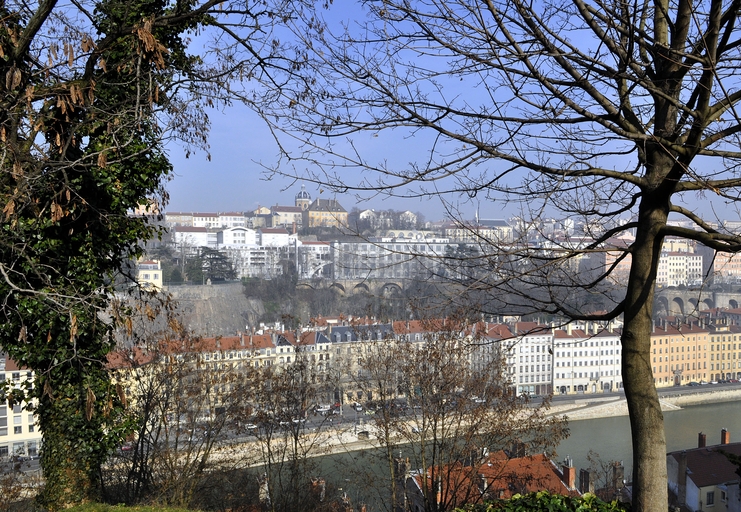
(325, 213)
(149, 275)
(19, 434)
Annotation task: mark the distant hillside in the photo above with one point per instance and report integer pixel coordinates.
(213, 310)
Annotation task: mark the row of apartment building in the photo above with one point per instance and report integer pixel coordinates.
(538, 359)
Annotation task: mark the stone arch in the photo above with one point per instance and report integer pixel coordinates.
(733, 304)
(708, 303)
(677, 306)
(391, 290)
(662, 304)
(360, 288)
(694, 303)
(338, 288)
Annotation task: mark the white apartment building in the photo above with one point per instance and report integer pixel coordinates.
(231, 219)
(531, 358)
(313, 259)
(679, 269)
(387, 258)
(19, 434)
(237, 236)
(185, 236)
(257, 260)
(273, 237)
(586, 360)
(206, 220)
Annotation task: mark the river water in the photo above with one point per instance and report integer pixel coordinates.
(362, 474)
(610, 437)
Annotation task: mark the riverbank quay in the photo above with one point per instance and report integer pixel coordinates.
(346, 438)
(593, 406)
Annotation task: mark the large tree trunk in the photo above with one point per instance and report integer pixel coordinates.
(646, 418)
(73, 449)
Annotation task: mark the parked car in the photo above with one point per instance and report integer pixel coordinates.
(693, 383)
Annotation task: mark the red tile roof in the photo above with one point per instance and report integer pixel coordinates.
(499, 476)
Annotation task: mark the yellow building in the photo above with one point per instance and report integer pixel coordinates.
(325, 213)
(725, 352)
(679, 353)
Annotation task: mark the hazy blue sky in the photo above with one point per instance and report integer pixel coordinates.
(234, 180)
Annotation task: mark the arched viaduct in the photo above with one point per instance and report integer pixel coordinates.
(675, 301)
(379, 287)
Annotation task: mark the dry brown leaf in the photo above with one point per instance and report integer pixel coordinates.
(22, 336)
(73, 328)
(68, 195)
(16, 78)
(9, 209)
(56, 214)
(87, 43)
(70, 55)
(121, 395)
(102, 160)
(47, 389)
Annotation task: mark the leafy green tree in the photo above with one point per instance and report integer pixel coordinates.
(176, 276)
(216, 265)
(90, 90)
(194, 269)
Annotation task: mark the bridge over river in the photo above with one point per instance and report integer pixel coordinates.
(678, 301)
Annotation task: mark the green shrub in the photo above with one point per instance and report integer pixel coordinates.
(547, 502)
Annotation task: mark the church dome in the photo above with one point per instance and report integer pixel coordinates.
(303, 194)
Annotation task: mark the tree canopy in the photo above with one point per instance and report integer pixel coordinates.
(90, 92)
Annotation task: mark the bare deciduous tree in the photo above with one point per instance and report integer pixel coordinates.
(610, 115)
(437, 408)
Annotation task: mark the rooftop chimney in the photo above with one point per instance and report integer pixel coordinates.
(701, 440)
(585, 481)
(569, 473)
(725, 436)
